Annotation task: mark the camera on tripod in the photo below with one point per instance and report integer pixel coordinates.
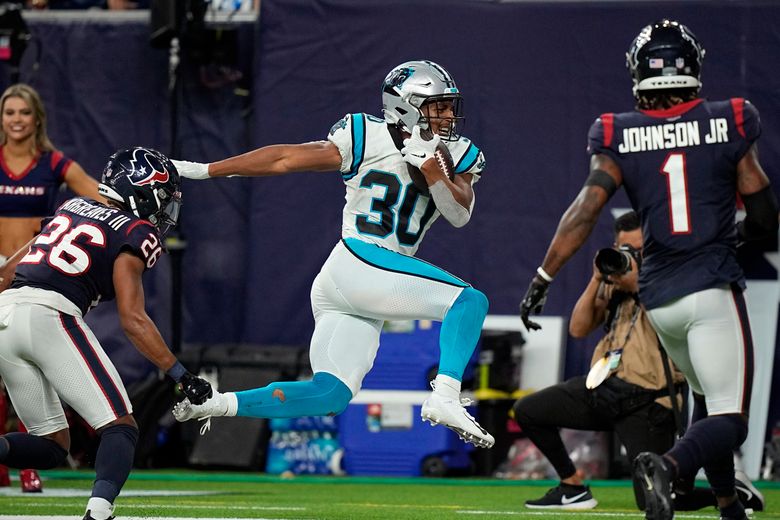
(611, 261)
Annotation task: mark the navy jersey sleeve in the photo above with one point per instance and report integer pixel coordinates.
(59, 165)
(747, 123)
(601, 136)
(143, 240)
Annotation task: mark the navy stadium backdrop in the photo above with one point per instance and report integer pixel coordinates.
(534, 76)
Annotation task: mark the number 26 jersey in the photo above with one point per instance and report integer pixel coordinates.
(679, 171)
(383, 205)
(75, 252)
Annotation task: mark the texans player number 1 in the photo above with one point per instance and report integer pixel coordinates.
(677, 189)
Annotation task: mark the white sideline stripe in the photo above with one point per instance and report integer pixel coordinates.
(214, 506)
(556, 512)
(186, 506)
(72, 492)
(47, 517)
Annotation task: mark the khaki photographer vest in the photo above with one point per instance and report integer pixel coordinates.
(640, 362)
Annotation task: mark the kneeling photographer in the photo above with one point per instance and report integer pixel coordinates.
(627, 388)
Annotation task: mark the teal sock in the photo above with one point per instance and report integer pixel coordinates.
(460, 331)
(325, 394)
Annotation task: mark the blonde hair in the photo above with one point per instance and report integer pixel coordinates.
(30, 96)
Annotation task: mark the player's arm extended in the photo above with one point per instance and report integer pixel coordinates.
(276, 159)
(137, 325)
(579, 219)
(761, 208)
(143, 333)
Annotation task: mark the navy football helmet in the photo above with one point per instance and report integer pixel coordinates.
(665, 55)
(145, 183)
(413, 84)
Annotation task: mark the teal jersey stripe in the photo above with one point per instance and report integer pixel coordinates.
(358, 144)
(468, 159)
(388, 260)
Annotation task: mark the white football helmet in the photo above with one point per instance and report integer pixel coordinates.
(411, 85)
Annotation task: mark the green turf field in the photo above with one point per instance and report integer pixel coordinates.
(188, 494)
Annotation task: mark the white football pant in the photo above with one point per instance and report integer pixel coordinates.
(707, 335)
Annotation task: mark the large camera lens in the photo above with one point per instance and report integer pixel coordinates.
(611, 261)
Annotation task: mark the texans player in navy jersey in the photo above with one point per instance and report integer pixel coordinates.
(682, 160)
(86, 253)
(31, 173)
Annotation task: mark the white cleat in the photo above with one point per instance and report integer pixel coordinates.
(182, 410)
(217, 405)
(185, 410)
(452, 414)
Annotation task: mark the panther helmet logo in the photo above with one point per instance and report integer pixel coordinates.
(397, 77)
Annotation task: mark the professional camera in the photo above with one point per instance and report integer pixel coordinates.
(617, 261)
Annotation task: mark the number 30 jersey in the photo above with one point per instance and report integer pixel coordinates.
(74, 253)
(383, 205)
(679, 171)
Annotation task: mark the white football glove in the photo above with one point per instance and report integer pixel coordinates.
(192, 170)
(417, 150)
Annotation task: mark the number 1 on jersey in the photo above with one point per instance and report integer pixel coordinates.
(677, 190)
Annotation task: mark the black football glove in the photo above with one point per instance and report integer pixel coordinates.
(195, 388)
(533, 301)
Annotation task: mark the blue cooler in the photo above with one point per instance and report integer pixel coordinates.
(386, 436)
(408, 354)
(381, 430)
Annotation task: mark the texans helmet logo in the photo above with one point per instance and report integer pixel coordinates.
(147, 169)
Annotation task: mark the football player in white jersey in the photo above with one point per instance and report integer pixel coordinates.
(397, 185)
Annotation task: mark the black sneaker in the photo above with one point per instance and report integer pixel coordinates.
(88, 516)
(652, 476)
(564, 496)
(750, 497)
(743, 517)
(734, 512)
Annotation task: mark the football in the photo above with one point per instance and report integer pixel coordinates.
(443, 158)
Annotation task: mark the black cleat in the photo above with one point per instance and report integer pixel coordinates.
(738, 516)
(652, 476)
(750, 497)
(88, 516)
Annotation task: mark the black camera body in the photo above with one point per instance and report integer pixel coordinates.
(611, 261)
